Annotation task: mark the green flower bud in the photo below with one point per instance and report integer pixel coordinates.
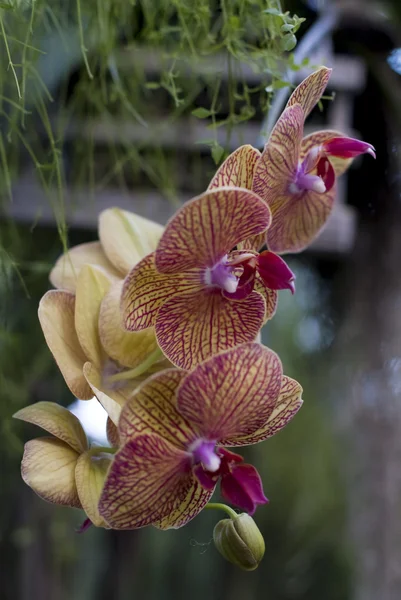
(240, 541)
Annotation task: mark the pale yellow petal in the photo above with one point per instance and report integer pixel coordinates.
(48, 467)
(129, 348)
(65, 272)
(56, 316)
(112, 433)
(126, 237)
(90, 474)
(112, 400)
(93, 284)
(58, 421)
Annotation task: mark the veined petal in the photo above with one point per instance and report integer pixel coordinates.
(232, 394)
(126, 237)
(90, 475)
(270, 296)
(58, 421)
(319, 138)
(114, 399)
(112, 433)
(191, 328)
(208, 227)
(237, 170)
(145, 290)
(128, 348)
(278, 164)
(310, 90)
(152, 409)
(287, 405)
(150, 481)
(297, 221)
(48, 467)
(92, 286)
(56, 316)
(65, 272)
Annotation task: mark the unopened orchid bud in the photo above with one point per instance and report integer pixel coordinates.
(240, 541)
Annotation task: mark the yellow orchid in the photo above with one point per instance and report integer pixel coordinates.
(124, 239)
(63, 469)
(81, 321)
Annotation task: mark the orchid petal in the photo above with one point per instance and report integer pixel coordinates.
(114, 399)
(193, 327)
(319, 138)
(112, 433)
(278, 164)
(298, 222)
(270, 296)
(274, 272)
(310, 90)
(56, 316)
(237, 170)
(150, 481)
(90, 475)
(58, 421)
(128, 348)
(345, 147)
(287, 405)
(126, 237)
(152, 409)
(145, 291)
(243, 487)
(65, 272)
(48, 467)
(232, 394)
(92, 286)
(209, 226)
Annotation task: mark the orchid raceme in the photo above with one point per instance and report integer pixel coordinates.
(93, 351)
(294, 175)
(174, 429)
(201, 295)
(63, 469)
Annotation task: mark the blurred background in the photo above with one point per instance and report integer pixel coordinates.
(134, 103)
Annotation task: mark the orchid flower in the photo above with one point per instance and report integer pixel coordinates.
(63, 469)
(201, 295)
(125, 238)
(174, 429)
(294, 175)
(89, 344)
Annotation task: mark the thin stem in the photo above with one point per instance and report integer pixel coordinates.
(82, 41)
(10, 62)
(99, 449)
(218, 506)
(140, 369)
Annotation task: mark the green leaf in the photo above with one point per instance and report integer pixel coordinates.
(201, 113)
(288, 42)
(273, 11)
(217, 153)
(152, 85)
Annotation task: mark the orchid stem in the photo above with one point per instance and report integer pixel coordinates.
(218, 506)
(140, 369)
(99, 449)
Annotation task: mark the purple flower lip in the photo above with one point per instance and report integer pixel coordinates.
(222, 275)
(344, 147)
(203, 452)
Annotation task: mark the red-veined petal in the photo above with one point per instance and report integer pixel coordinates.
(56, 316)
(206, 228)
(287, 405)
(151, 481)
(193, 327)
(48, 467)
(270, 296)
(237, 170)
(232, 394)
(58, 421)
(298, 220)
(145, 290)
(152, 409)
(310, 90)
(112, 433)
(65, 272)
